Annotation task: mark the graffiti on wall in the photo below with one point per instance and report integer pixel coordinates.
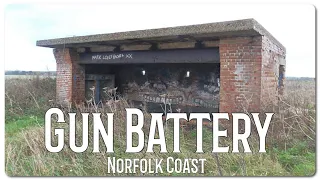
(186, 86)
(192, 85)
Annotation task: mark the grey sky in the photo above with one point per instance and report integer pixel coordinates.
(293, 25)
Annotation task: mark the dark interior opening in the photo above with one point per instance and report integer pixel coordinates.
(178, 84)
(281, 75)
(281, 78)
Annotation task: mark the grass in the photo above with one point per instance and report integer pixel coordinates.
(298, 160)
(290, 143)
(32, 159)
(21, 124)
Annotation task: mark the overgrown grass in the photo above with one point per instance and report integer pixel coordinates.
(28, 97)
(21, 124)
(26, 156)
(298, 160)
(290, 146)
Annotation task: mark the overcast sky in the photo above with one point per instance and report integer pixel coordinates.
(292, 25)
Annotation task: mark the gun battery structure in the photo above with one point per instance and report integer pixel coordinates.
(215, 67)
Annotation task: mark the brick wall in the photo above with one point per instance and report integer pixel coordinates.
(272, 57)
(240, 74)
(70, 85)
(249, 74)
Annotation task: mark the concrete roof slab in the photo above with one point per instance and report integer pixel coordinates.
(209, 31)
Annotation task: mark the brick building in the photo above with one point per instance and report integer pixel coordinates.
(222, 66)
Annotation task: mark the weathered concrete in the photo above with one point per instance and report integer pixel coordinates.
(246, 27)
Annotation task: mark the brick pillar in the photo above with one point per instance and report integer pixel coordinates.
(240, 74)
(70, 86)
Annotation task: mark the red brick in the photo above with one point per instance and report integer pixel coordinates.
(70, 77)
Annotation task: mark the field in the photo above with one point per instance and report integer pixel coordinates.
(27, 76)
(291, 140)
